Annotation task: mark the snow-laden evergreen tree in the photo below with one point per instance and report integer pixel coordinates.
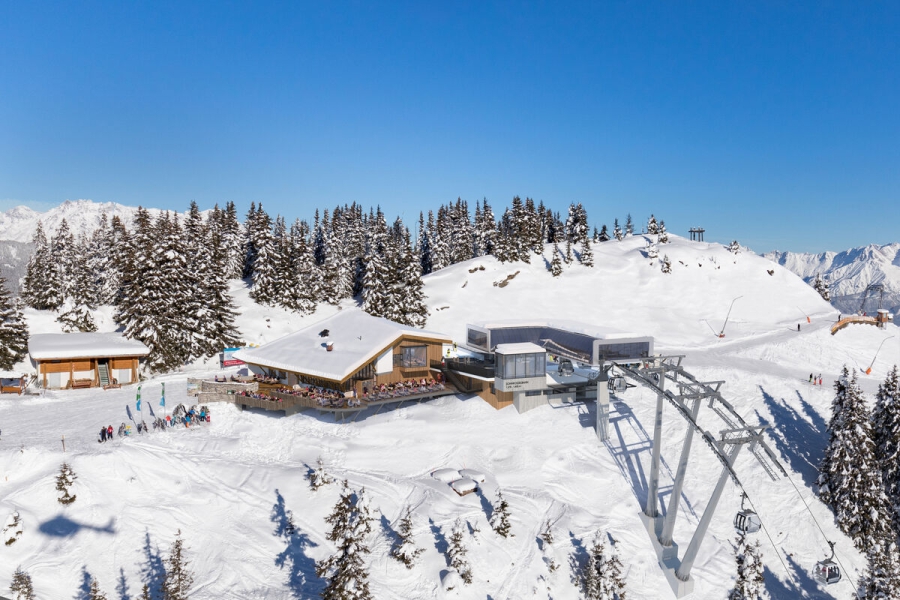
(219, 325)
(64, 481)
(587, 253)
(555, 262)
(63, 250)
(319, 477)
(405, 549)
(13, 529)
(345, 571)
(485, 230)
(821, 286)
(145, 593)
(307, 290)
(179, 577)
(663, 235)
(886, 436)
(629, 225)
(76, 311)
(457, 551)
(601, 576)
(500, 516)
(850, 476)
(408, 297)
(569, 258)
(378, 277)
(652, 226)
(232, 235)
(881, 579)
(750, 583)
(603, 236)
(265, 266)
(249, 242)
(734, 247)
(13, 329)
(40, 287)
(576, 224)
(21, 586)
(100, 252)
(617, 231)
(423, 244)
(665, 264)
(95, 592)
(652, 251)
(547, 547)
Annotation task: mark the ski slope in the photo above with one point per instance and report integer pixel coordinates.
(227, 485)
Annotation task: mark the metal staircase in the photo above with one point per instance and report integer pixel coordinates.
(103, 368)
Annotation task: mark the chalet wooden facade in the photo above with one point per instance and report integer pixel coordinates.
(12, 382)
(85, 360)
(349, 351)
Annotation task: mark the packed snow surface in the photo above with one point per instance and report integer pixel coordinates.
(230, 485)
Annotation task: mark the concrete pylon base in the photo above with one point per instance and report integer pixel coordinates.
(667, 557)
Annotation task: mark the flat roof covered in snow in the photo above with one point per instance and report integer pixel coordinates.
(519, 348)
(46, 346)
(602, 333)
(357, 338)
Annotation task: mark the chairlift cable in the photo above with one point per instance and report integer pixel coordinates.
(771, 541)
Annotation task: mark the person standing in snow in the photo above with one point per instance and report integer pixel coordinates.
(810, 377)
(820, 379)
(109, 432)
(798, 327)
(102, 435)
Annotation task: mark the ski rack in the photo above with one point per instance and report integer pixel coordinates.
(654, 374)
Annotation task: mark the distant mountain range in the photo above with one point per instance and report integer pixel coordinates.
(848, 273)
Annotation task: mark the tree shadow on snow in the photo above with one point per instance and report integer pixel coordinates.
(122, 586)
(84, 590)
(302, 579)
(486, 505)
(578, 558)
(800, 438)
(389, 532)
(61, 526)
(440, 540)
(801, 585)
(153, 568)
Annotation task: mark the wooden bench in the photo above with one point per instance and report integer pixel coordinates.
(82, 383)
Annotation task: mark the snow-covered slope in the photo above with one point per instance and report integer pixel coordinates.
(848, 273)
(227, 485)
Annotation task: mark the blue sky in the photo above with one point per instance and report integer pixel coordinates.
(776, 124)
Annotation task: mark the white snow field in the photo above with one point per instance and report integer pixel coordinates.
(227, 485)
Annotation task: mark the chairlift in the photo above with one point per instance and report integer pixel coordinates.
(617, 384)
(746, 520)
(827, 571)
(565, 367)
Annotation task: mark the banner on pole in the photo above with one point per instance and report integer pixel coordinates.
(162, 400)
(138, 403)
(228, 359)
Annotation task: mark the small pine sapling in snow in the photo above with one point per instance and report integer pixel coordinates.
(319, 477)
(405, 550)
(601, 576)
(555, 262)
(614, 581)
(663, 236)
(456, 553)
(652, 251)
(345, 571)
(145, 593)
(629, 225)
(21, 586)
(604, 234)
(652, 226)
(587, 254)
(547, 547)
(96, 593)
(665, 265)
(64, 481)
(734, 248)
(500, 516)
(617, 231)
(179, 577)
(569, 257)
(749, 582)
(822, 287)
(13, 530)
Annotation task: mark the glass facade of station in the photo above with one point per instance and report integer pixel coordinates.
(521, 366)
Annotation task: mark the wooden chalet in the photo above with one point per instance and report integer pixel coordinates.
(85, 360)
(349, 351)
(12, 382)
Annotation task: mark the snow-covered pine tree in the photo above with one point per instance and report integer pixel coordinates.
(405, 549)
(75, 312)
(95, 592)
(13, 329)
(555, 262)
(62, 249)
(308, 283)
(881, 579)
(249, 241)
(21, 586)
(64, 481)
(576, 224)
(265, 266)
(614, 579)
(232, 234)
(519, 234)
(629, 225)
(462, 246)
(377, 277)
(423, 244)
(821, 286)
(345, 571)
(587, 253)
(547, 547)
(665, 264)
(145, 593)
(850, 477)
(652, 226)
(457, 551)
(652, 251)
(591, 572)
(750, 583)
(886, 436)
(38, 286)
(179, 577)
(734, 247)
(319, 477)
(663, 235)
(569, 258)
(603, 236)
(408, 294)
(617, 231)
(13, 529)
(440, 236)
(100, 254)
(220, 330)
(500, 516)
(486, 230)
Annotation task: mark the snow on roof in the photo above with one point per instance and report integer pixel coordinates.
(44, 346)
(356, 337)
(603, 333)
(11, 374)
(519, 348)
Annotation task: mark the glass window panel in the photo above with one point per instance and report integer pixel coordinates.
(520, 365)
(529, 365)
(510, 369)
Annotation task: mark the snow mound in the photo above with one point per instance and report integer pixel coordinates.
(446, 475)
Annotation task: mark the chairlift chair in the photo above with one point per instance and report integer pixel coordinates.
(827, 571)
(565, 367)
(746, 520)
(617, 384)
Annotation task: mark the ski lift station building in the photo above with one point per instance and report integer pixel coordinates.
(527, 363)
(77, 360)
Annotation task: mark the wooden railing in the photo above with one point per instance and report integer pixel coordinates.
(854, 319)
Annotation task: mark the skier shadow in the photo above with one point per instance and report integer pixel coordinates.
(63, 527)
(153, 568)
(302, 579)
(800, 438)
(801, 585)
(440, 540)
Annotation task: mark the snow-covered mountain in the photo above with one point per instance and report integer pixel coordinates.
(848, 273)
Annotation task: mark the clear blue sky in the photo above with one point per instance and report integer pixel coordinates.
(777, 124)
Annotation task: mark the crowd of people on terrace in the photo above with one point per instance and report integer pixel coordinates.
(330, 398)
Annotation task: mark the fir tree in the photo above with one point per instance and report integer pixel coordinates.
(40, 286)
(665, 264)
(555, 262)
(881, 578)
(547, 547)
(734, 247)
(62, 249)
(265, 265)
(345, 571)
(64, 481)
(569, 258)
(456, 553)
(652, 251)
(21, 586)
(405, 549)
(408, 296)
(749, 584)
(95, 593)
(231, 233)
(850, 477)
(617, 231)
(587, 254)
(601, 576)
(629, 225)
(652, 226)
(500, 516)
(603, 236)
(179, 577)
(145, 593)
(663, 235)
(886, 436)
(822, 287)
(13, 530)
(75, 313)
(13, 329)
(319, 477)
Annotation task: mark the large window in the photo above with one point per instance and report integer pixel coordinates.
(476, 338)
(517, 366)
(412, 357)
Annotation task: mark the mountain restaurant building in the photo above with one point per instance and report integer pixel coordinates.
(85, 360)
(349, 351)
